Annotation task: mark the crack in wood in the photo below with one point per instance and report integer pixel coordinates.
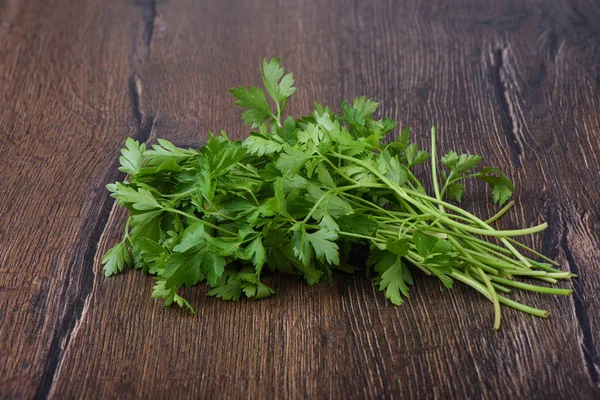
(587, 345)
(508, 22)
(82, 279)
(502, 92)
(149, 15)
(144, 121)
(77, 290)
(555, 239)
(551, 44)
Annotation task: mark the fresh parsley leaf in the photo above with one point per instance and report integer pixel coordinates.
(133, 157)
(260, 146)
(455, 191)
(254, 99)
(116, 259)
(140, 199)
(391, 276)
(291, 161)
(277, 85)
(166, 151)
(256, 251)
(193, 235)
(502, 187)
(390, 166)
(357, 223)
(323, 241)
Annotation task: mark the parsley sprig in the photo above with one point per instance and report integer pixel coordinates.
(298, 195)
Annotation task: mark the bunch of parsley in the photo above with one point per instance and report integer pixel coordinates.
(298, 195)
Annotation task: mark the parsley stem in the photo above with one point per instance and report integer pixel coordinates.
(336, 169)
(450, 181)
(488, 231)
(504, 300)
(496, 286)
(502, 265)
(392, 214)
(494, 297)
(434, 174)
(126, 236)
(500, 213)
(247, 176)
(176, 211)
(497, 233)
(177, 196)
(239, 164)
(417, 260)
(356, 235)
(532, 288)
(278, 116)
(413, 178)
(532, 251)
(324, 196)
(480, 264)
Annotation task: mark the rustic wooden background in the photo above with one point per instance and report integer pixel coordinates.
(516, 81)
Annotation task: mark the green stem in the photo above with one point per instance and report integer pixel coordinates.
(249, 170)
(506, 301)
(177, 196)
(417, 260)
(532, 251)
(336, 169)
(325, 195)
(450, 181)
(499, 234)
(371, 204)
(173, 210)
(496, 286)
(500, 213)
(126, 235)
(406, 194)
(494, 297)
(481, 265)
(356, 235)
(531, 288)
(434, 174)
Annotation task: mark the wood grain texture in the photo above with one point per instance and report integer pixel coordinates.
(64, 112)
(518, 82)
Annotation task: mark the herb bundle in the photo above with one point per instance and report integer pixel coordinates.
(298, 194)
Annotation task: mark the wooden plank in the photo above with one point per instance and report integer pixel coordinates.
(64, 112)
(471, 68)
(457, 66)
(552, 101)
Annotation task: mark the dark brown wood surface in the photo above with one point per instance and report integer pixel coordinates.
(515, 81)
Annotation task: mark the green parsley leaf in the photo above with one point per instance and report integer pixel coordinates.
(272, 74)
(140, 199)
(116, 259)
(166, 151)
(455, 191)
(260, 146)
(254, 99)
(323, 241)
(133, 157)
(256, 251)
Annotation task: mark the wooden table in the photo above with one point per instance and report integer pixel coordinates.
(515, 81)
